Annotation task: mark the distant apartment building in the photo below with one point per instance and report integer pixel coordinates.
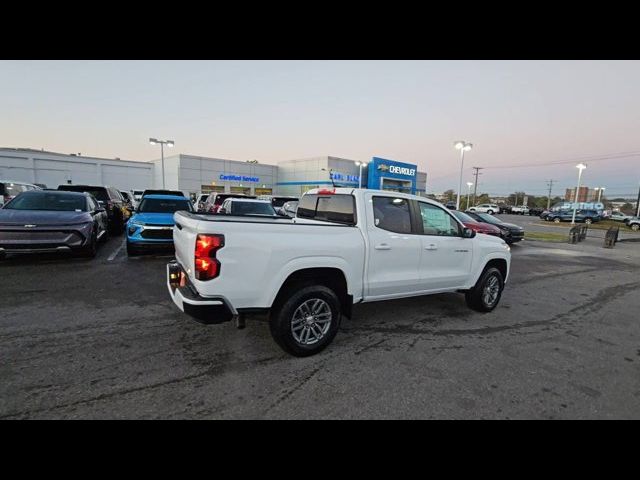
(585, 194)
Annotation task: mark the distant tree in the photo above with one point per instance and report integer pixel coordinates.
(449, 195)
(483, 198)
(628, 209)
(516, 198)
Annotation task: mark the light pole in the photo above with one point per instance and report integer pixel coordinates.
(168, 143)
(469, 185)
(360, 164)
(580, 167)
(463, 147)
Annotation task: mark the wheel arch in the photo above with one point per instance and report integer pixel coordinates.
(331, 277)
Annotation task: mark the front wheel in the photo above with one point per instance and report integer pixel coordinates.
(635, 227)
(490, 212)
(556, 220)
(588, 221)
(306, 322)
(485, 295)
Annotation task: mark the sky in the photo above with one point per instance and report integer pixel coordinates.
(523, 117)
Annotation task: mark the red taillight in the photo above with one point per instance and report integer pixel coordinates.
(206, 264)
(325, 191)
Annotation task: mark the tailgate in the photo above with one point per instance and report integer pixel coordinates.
(184, 240)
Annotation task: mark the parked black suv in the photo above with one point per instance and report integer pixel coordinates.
(111, 199)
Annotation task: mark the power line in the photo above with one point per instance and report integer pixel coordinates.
(597, 158)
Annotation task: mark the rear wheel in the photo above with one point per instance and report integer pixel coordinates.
(635, 227)
(485, 295)
(307, 321)
(490, 212)
(588, 221)
(556, 220)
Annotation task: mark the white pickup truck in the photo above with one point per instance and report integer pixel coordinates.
(345, 246)
(520, 210)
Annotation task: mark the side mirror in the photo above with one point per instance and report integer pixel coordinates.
(468, 233)
(100, 209)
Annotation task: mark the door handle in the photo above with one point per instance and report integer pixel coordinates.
(431, 246)
(383, 246)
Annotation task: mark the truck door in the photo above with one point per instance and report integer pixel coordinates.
(394, 248)
(446, 256)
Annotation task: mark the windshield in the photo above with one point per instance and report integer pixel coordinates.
(463, 217)
(485, 217)
(157, 205)
(252, 208)
(58, 202)
(99, 193)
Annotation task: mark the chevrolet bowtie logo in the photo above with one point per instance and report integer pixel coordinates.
(383, 167)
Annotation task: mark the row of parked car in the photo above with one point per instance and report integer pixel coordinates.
(77, 218)
(492, 208)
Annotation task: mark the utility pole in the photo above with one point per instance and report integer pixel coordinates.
(638, 204)
(475, 186)
(550, 183)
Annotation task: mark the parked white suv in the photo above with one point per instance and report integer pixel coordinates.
(345, 246)
(489, 208)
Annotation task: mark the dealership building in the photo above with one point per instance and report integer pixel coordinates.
(297, 176)
(196, 174)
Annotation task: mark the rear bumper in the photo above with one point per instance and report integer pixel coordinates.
(209, 310)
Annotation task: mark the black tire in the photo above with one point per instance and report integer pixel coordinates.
(490, 212)
(635, 227)
(282, 317)
(90, 250)
(476, 300)
(132, 251)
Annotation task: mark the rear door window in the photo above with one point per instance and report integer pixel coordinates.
(392, 214)
(330, 208)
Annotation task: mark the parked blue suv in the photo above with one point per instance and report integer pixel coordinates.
(152, 224)
(586, 216)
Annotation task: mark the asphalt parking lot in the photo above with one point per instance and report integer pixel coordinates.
(101, 339)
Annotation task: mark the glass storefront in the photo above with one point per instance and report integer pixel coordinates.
(245, 190)
(212, 188)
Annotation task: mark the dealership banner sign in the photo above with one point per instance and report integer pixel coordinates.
(239, 178)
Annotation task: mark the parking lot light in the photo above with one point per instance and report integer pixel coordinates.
(463, 147)
(469, 185)
(169, 143)
(580, 167)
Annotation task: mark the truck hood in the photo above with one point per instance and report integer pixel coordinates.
(151, 218)
(42, 218)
